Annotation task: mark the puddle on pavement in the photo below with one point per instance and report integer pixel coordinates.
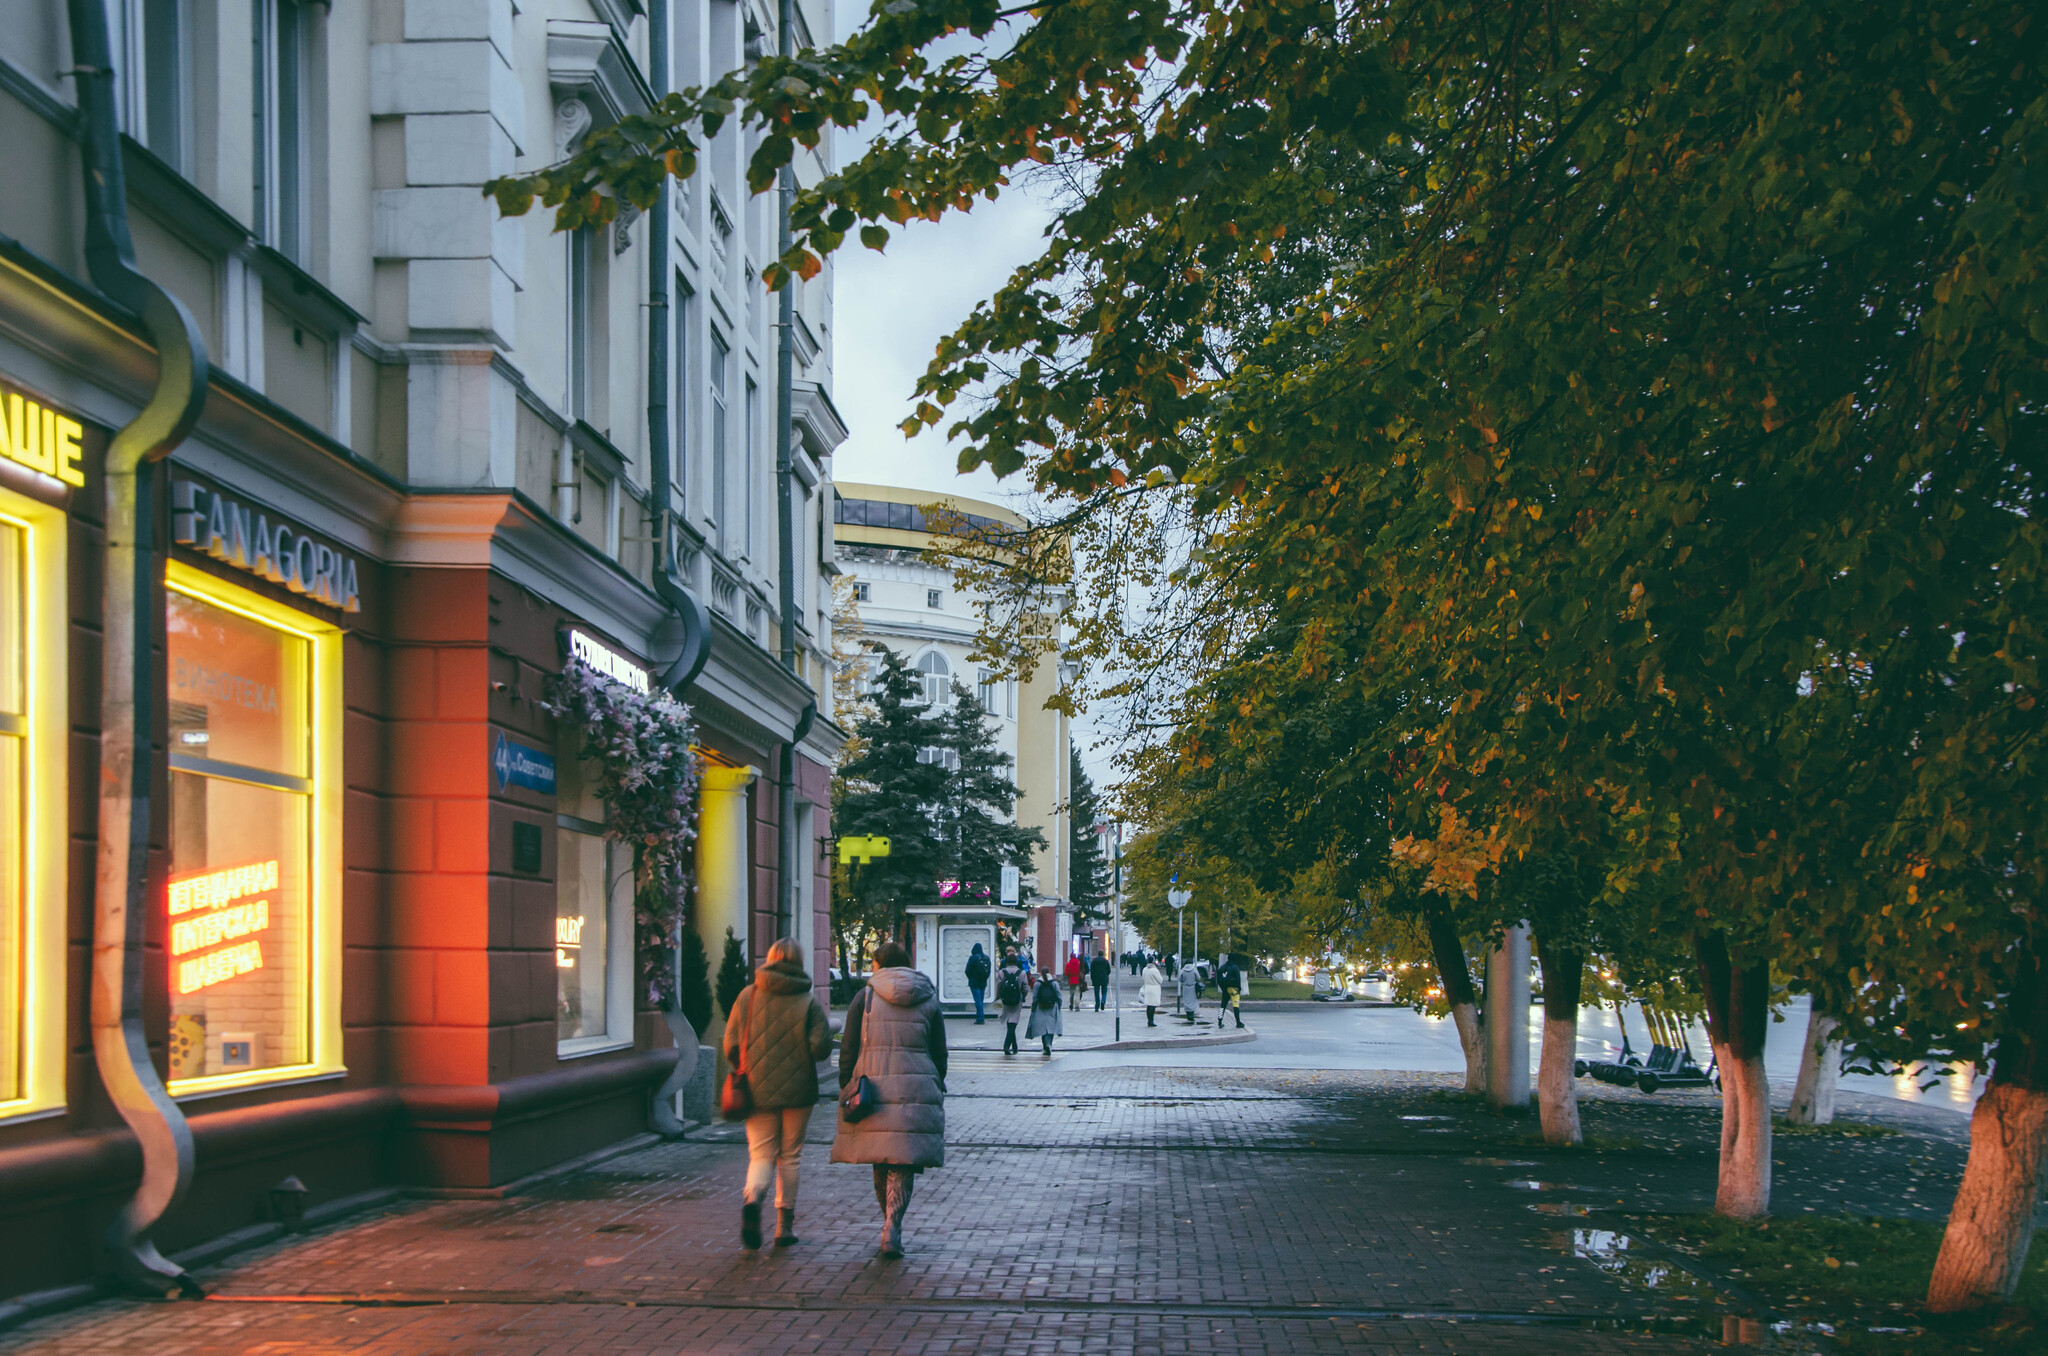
(1611, 1252)
(1425, 1118)
(1561, 1208)
(1498, 1162)
(1525, 1185)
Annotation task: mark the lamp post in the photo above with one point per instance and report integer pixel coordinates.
(1117, 926)
(1179, 900)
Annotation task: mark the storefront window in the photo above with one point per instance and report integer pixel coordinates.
(34, 830)
(242, 942)
(593, 901)
(14, 799)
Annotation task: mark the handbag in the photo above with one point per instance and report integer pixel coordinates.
(736, 1098)
(858, 1099)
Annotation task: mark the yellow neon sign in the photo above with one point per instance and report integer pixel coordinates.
(41, 439)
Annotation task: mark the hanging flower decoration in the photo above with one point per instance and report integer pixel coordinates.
(647, 773)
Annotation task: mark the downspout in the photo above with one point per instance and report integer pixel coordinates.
(695, 621)
(127, 681)
(785, 536)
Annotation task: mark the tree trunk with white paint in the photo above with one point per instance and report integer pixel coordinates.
(1992, 1221)
(1557, 1093)
(1472, 1038)
(1451, 968)
(1738, 995)
(1820, 1065)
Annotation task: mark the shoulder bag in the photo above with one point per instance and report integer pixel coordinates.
(736, 1098)
(858, 1099)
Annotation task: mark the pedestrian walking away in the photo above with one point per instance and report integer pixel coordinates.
(1074, 972)
(775, 1035)
(1190, 993)
(1046, 1021)
(1149, 991)
(1098, 971)
(895, 1039)
(1010, 998)
(977, 981)
(1230, 986)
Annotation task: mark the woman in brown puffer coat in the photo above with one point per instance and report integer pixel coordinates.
(776, 1033)
(896, 1038)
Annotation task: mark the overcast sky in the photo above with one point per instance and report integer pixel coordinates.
(891, 309)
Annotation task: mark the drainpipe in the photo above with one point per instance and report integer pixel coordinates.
(127, 682)
(785, 537)
(695, 620)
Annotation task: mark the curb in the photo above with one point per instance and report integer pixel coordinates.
(1177, 1042)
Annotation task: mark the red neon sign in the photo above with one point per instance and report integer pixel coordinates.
(225, 919)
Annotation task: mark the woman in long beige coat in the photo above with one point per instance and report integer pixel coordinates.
(776, 1034)
(896, 1037)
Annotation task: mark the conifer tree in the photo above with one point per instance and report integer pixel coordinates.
(890, 789)
(976, 818)
(1088, 882)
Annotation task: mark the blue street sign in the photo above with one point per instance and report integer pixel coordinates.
(519, 765)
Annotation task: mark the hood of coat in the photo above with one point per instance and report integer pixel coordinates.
(901, 986)
(782, 977)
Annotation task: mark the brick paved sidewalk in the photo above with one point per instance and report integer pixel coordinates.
(1181, 1211)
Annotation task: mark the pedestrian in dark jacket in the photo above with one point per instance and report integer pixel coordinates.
(776, 1033)
(1098, 971)
(977, 980)
(1230, 982)
(1011, 989)
(1046, 1021)
(896, 1038)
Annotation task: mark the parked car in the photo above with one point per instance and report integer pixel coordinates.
(845, 986)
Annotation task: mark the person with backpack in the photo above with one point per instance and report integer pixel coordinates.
(1149, 991)
(977, 980)
(774, 1037)
(1230, 985)
(892, 1085)
(1010, 998)
(1098, 971)
(1190, 993)
(1074, 970)
(1046, 1021)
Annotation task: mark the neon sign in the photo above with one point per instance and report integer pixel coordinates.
(211, 889)
(223, 920)
(215, 966)
(568, 937)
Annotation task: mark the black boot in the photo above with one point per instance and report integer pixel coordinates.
(750, 1226)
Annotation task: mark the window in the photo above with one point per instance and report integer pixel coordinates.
(721, 362)
(593, 913)
(1010, 698)
(33, 828)
(679, 354)
(932, 665)
(985, 687)
(279, 83)
(861, 593)
(933, 597)
(253, 924)
(753, 432)
(160, 77)
(946, 758)
(578, 345)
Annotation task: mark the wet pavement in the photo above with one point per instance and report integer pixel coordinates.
(1147, 1201)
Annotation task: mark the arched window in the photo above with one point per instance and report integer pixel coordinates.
(937, 676)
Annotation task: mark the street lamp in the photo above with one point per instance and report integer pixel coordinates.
(1179, 899)
(1117, 904)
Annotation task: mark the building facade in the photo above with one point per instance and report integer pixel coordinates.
(908, 600)
(385, 944)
